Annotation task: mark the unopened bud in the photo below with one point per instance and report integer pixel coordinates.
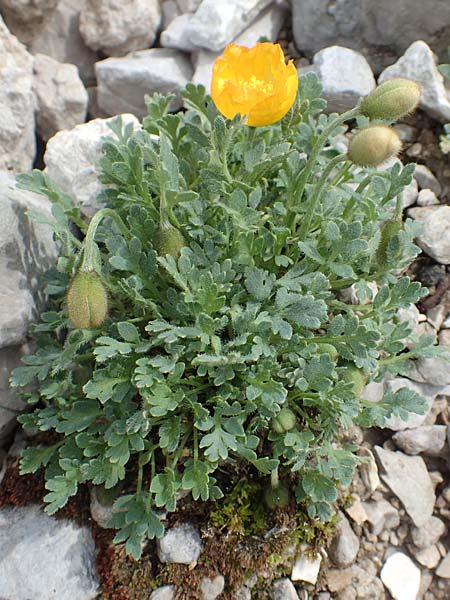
(276, 497)
(168, 240)
(87, 301)
(392, 99)
(284, 421)
(372, 146)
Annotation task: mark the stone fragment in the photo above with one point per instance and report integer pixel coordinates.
(43, 557)
(427, 197)
(17, 143)
(418, 63)
(11, 405)
(338, 579)
(124, 82)
(345, 544)
(434, 371)
(26, 11)
(345, 76)
(423, 440)
(426, 179)
(61, 97)
(369, 470)
(169, 10)
(381, 515)
(211, 589)
(410, 194)
(176, 34)
(181, 544)
(443, 570)
(71, 158)
(27, 250)
(217, 22)
(306, 568)
(428, 557)
(428, 534)
(117, 27)
(188, 5)
(283, 589)
(401, 577)
(356, 511)
(408, 478)
(166, 592)
(100, 512)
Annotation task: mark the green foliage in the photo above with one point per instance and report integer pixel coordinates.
(199, 354)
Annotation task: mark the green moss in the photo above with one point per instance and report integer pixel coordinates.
(241, 511)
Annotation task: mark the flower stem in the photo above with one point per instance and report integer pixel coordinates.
(89, 244)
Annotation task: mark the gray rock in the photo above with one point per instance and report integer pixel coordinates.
(434, 371)
(217, 22)
(100, 512)
(188, 5)
(71, 158)
(381, 515)
(176, 35)
(283, 589)
(169, 10)
(408, 478)
(27, 250)
(117, 27)
(344, 547)
(61, 97)
(11, 405)
(17, 143)
(181, 544)
(166, 592)
(443, 570)
(435, 236)
(427, 197)
(410, 194)
(426, 179)
(418, 63)
(211, 589)
(428, 439)
(26, 11)
(401, 577)
(428, 557)
(345, 76)
(381, 28)
(44, 558)
(429, 534)
(124, 82)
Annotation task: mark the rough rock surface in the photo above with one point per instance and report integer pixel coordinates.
(10, 404)
(181, 544)
(211, 589)
(381, 515)
(418, 63)
(423, 440)
(27, 250)
(217, 22)
(176, 34)
(166, 592)
(26, 11)
(429, 534)
(345, 76)
(43, 558)
(71, 158)
(381, 26)
(408, 478)
(17, 142)
(401, 577)
(306, 568)
(345, 545)
(123, 82)
(435, 237)
(283, 589)
(117, 27)
(62, 99)
(426, 179)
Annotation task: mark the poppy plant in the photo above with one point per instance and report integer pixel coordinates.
(255, 82)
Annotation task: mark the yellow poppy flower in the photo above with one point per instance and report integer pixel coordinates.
(255, 82)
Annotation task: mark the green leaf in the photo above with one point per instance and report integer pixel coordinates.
(34, 457)
(319, 487)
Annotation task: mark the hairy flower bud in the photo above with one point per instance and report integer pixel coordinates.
(390, 229)
(284, 421)
(168, 240)
(372, 146)
(392, 99)
(87, 301)
(276, 497)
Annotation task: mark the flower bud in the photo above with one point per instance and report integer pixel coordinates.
(372, 146)
(357, 377)
(392, 99)
(276, 497)
(390, 229)
(87, 301)
(284, 421)
(328, 349)
(168, 240)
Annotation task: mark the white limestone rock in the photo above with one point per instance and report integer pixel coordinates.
(410, 193)
(427, 197)
(428, 557)
(217, 22)
(381, 515)
(306, 568)
(429, 534)
(408, 478)
(71, 158)
(419, 63)
(435, 237)
(181, 544)
(344, 547)
(443, 571)
(428, 439)
(61, 97)
(26, 11)
(345, 76)
(176, 35)
(283, 589)
(166, 592)
(11, 405)
(188, 5)
(210, 589)
(43, 557)
(124, 82)
(17, 102)
(401, 577)
(117, 27)
(426, 179)
(27, 250)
